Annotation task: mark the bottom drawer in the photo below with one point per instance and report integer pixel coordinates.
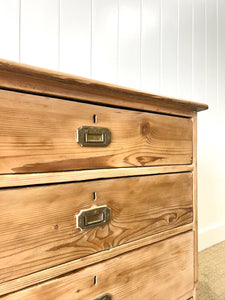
(160, 271)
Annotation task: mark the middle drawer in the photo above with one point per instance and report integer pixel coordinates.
(38, 224)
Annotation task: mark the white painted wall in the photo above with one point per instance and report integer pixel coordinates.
(170, 47)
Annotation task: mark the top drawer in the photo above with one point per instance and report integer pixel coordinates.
(38, 134)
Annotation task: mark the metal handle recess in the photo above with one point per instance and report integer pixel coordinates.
(92, 136)
(93, 217)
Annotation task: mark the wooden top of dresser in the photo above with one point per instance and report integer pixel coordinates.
(20, 77)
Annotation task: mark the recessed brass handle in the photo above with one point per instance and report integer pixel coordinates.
(104, 297)
(92, 136)
(93, 217)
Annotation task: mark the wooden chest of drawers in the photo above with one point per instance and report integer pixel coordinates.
(98, 190)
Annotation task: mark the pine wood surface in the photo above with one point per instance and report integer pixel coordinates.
(38, 226)
(38, 134)
(17, 76)
(44, 275)
(46, 178)
(160, 271)
(195, 205)
(12, 180)
(187, 296)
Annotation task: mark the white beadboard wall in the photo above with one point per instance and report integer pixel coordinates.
(169, 47)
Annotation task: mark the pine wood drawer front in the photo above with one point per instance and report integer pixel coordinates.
(38, 134)
(160, 271)
(38, 226)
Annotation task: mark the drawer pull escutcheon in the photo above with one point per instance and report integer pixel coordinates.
(92, 136)
(93, 217)
(104, 297)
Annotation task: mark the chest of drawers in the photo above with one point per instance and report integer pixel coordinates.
(98, 190)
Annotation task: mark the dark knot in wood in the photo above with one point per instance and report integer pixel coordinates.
(145, 128)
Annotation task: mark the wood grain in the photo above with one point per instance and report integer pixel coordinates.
(12, 180)
(44, 275)
(187, 296)
(38, 227)
(21, 77)
(195, 205)
(38, 134)
(159, 271)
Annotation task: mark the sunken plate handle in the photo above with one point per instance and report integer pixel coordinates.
(93, 217)
(92, 136)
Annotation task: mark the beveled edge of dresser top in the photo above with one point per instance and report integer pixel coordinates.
(30, 79)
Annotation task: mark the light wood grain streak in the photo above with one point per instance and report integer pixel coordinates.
(32, 279)
(12, 180)
(38, 134)
(36, 80)
(159, 271)
(38, 226)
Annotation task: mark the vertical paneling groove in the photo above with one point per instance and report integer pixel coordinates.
(221, 54)
(19, 58)
(185, 49)
(178, 48)
(192, 48)
(91, 38)
(59, 31)
(161, 54)
(141, 14)
(199, 92)
(75, 37)
(199, 54)
(221, 108)
(9, 29)
(211, 89)
(129, 43)
(211, 48)
(205, 50)
(39, 33)
(104, 40)
(217, 53)
(150, 46)
(169, 47)
(118, 45)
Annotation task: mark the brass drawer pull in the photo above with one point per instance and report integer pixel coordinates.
(93, 217)
(104, 297)
(92, 136)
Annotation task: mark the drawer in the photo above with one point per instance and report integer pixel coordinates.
(160, 271)
(39, 134)
(38, 225)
